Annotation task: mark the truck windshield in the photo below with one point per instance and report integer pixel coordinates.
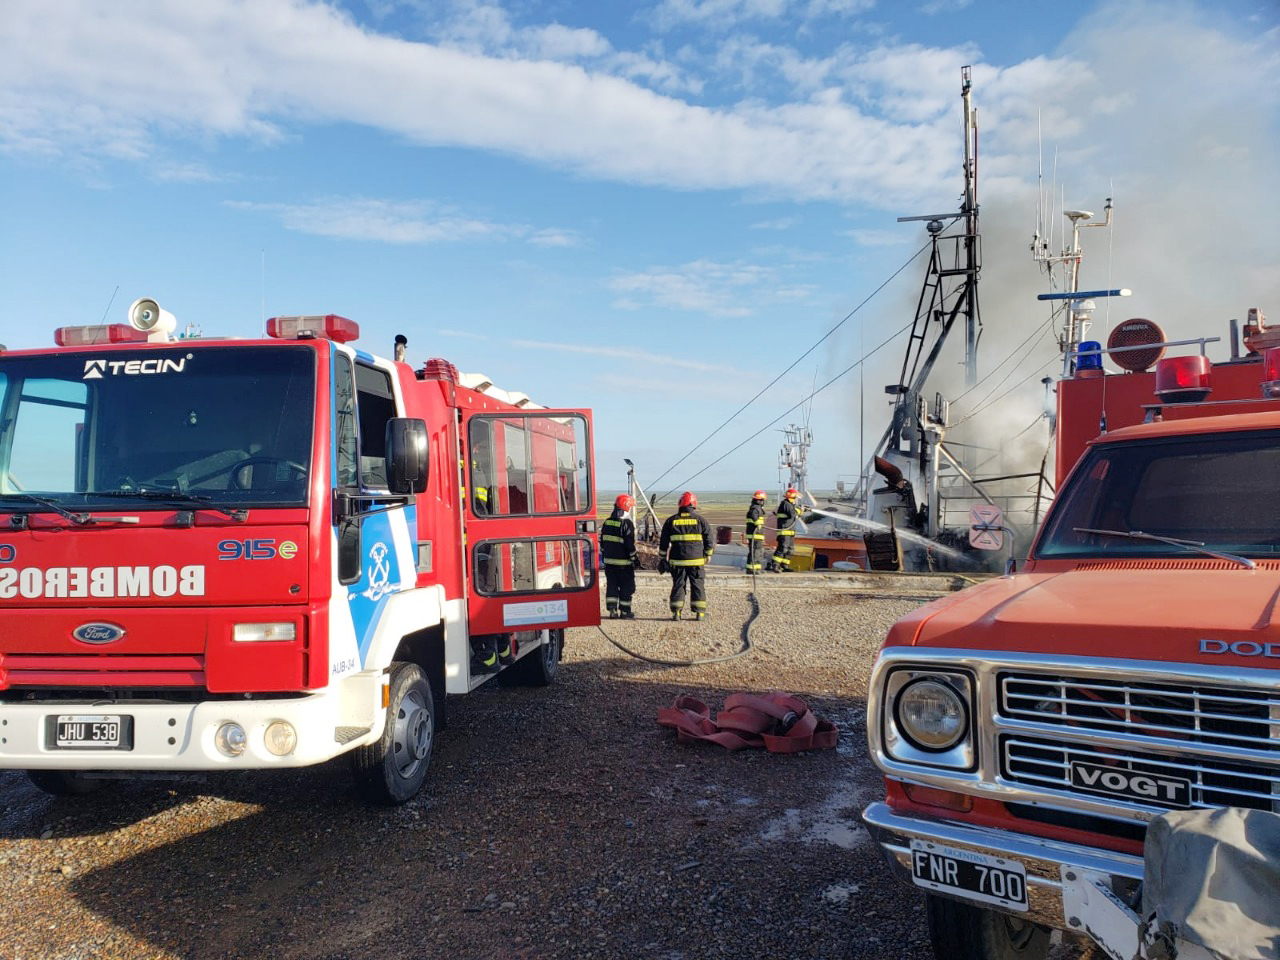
(218, 425)
(1214, 491)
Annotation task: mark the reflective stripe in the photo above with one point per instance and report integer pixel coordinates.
(684, 522)
(616, 563)
(688, 563)
(786, 533)
(611, 523)
(699, 604)
(757, 536)
(610, 538)
(685, 537)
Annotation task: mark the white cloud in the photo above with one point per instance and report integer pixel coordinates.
(115, 79)
(725, 15)
(703, 286)
(397, 222)
(717, 14)
(875, 125)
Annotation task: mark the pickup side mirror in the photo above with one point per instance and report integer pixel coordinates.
(406, 447)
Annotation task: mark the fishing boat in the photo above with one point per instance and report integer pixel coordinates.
(911, 505)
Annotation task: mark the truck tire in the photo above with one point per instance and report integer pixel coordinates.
(64, 783)
(959, 931)
(538, 669)
(392, 771)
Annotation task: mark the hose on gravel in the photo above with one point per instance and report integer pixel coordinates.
(742, 651)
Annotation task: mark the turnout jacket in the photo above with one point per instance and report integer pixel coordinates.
(618, 540)
(755, 521)
(688, 535)
(787, 515)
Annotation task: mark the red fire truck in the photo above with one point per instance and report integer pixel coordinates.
(1029, 728)
(229, 554)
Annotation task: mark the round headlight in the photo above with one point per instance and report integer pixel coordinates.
(230, 739)
(280, 738)
(932, 715)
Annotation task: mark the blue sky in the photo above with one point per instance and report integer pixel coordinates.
(648, 208)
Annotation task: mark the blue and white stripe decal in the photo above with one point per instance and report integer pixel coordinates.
(388, 565)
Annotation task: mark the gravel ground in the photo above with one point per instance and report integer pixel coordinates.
(557, 823)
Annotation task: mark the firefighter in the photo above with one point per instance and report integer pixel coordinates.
(787, 514)
(685, 547)
(755, 532)
(618, 546)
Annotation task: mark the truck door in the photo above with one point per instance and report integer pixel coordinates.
(375, 529)
(530, 518)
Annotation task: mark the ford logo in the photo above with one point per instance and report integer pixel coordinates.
(98, 633)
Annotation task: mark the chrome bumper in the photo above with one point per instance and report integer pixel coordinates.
(1047, 862)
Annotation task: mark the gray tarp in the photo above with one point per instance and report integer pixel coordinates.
(1213, 879)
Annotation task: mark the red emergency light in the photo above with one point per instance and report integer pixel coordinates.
(90, 336)
(1271, 373)
(1183, 379)
(327, 327)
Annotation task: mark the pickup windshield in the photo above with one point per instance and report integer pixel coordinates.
(1158, 498)
(223, 426)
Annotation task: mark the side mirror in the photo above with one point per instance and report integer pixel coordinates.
(406, 440)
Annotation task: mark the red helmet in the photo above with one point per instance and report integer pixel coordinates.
(688, 499)
(624, 502)
(792, 493)
(758, 495)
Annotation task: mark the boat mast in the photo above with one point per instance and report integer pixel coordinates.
(1078, 315)
(970, 211)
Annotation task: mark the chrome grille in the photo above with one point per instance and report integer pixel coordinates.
(1224, 741)
(1183, 714)
(1214, 783)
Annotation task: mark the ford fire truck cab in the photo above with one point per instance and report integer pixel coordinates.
(220, 555)
(1030, 727)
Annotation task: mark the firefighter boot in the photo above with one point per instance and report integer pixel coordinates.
(484, 657)
(506, 650)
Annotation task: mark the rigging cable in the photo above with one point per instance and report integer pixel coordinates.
(857, 363)
(792, 366)
(986, 402)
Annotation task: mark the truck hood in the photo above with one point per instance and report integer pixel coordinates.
(1175, 612)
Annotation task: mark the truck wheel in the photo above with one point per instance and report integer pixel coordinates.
(959, 931)
(539, 668)
(392, 771)
(64, 783)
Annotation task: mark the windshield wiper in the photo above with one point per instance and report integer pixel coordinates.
(1194, 545)
(48, 504)
(190, 499)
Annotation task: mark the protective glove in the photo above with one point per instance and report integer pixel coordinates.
(663, 566)
(635, 563)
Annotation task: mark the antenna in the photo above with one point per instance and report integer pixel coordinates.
(110, 302)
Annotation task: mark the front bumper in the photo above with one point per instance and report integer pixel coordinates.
(1046, 861)
(180, 736)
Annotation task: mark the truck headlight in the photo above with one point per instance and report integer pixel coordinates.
(927, 717)
(280, 738)
(931, 714)
(230, 739)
